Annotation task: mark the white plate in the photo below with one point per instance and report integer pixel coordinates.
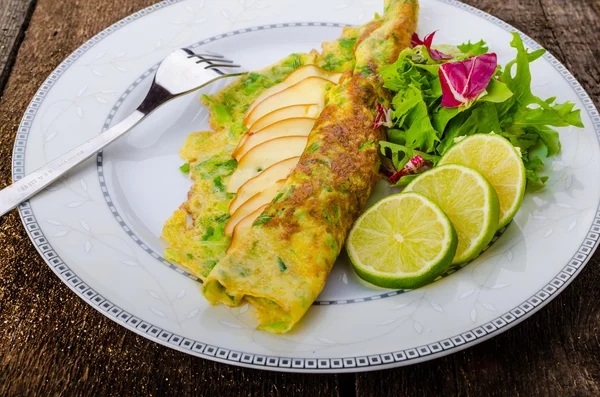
(99, 228)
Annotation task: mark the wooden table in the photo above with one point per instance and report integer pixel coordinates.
(52, 343)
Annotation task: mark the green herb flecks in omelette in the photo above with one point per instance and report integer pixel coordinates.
(195, 232)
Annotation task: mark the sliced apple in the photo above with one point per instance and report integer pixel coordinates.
(255, 202)
(311, 110)
(240, 230)
(296, 76)
(240, 144)
(310, 90)
(263, 181)
(287, 127)
(262, 156)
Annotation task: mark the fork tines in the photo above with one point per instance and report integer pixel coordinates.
(202, 58)
(214, 61)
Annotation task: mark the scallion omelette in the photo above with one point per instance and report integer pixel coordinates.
(288, 169)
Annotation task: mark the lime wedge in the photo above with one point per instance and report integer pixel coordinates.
(496, 159)
(469, 201)
(403, 241)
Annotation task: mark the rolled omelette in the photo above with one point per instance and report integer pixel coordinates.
(194, 234)
(282, 263)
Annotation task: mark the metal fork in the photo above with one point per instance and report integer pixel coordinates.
(180, 73)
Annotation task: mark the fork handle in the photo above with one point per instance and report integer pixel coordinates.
(30, 184)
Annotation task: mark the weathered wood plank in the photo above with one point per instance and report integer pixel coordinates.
(14, 15)
(556, 351)
(51, 342)
(577, 24)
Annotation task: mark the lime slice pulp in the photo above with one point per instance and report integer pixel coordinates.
(499, 162)
(404, 241)
(468, 199)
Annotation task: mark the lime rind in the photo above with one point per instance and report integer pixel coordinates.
(459, 154)
(401, 279)
(491, 209)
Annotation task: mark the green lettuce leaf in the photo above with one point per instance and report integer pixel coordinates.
(473, 49)
(442, 117)
(533, 168)
(414, 121)
(480, 119)
(557, 115)
(496, 92)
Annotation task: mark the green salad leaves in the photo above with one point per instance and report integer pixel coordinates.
(421, 125)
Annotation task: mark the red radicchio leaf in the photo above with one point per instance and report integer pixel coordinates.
(434, 54)
(416, 165)
(384, 117)
(463, 81)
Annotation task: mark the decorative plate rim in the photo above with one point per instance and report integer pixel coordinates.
(287, 364)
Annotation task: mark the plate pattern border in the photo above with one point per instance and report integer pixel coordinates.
(346, 364)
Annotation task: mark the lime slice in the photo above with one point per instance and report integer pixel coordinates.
(469, 201)
(496, 159)
(403, 241)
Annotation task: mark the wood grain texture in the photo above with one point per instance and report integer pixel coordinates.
(52, 343)
(14, 16)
